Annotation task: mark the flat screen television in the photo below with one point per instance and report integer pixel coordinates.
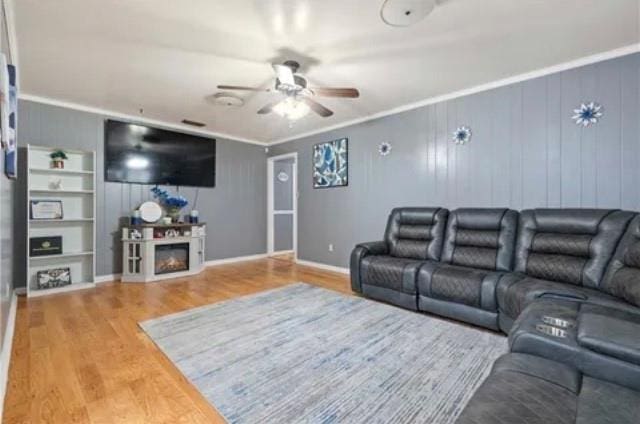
(145, 155)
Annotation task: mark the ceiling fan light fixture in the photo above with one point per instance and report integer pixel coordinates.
(292, 109)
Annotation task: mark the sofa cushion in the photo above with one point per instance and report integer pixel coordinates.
(516, 291)
(571, 246)
(610, 332)
(481, 238)
(524, 389)
(416, 233)
(458, 284)
(601, 402)
(468, 286)
(390, 272)
(623, 274)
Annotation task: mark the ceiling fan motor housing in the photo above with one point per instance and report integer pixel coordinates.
(300, 84)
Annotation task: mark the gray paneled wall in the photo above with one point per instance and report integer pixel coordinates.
(234, 210)
(525, 152)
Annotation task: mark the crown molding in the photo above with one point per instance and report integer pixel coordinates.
(133, 118)
(587, 60)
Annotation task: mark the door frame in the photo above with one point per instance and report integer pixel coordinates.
(270, 201)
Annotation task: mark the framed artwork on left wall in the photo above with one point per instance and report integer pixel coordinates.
(9, 117)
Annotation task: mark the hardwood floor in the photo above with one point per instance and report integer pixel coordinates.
(80, 357)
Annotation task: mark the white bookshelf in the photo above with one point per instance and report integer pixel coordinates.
(77, 228)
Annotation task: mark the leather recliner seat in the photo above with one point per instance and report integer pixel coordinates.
(478, 249)
(526, 389)
(561, 253)
(603, 338)
(386, 270)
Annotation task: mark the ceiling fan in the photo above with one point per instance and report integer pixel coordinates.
(297, 95)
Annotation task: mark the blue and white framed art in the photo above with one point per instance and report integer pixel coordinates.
(8, 116)
(331, 164)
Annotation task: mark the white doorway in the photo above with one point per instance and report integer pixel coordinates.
(282, 205)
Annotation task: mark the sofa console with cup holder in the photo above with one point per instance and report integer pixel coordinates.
(564, 284)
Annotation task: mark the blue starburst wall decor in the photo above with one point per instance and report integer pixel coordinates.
(462, 135)
(384, 148)
(330, 164)
(587, 114)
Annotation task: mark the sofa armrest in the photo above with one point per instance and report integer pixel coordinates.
(360, 252)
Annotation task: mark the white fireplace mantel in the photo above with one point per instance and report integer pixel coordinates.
(139, 245)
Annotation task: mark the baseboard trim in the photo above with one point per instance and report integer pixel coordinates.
(107, 278)
(325, 267)
(7, 344)
(216, 262)
(281, 252)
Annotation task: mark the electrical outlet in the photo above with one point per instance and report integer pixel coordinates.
(330, 247)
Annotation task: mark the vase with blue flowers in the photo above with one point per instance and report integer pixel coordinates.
(172, 204)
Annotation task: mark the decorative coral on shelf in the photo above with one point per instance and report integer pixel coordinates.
(171, 204)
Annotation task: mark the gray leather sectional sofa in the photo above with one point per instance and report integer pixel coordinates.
(564, 284)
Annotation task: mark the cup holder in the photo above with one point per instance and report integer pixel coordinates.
(551, 330)
(558, 322)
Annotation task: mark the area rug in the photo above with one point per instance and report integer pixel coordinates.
(303, 354)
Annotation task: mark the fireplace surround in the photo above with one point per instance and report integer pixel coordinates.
(153, 252)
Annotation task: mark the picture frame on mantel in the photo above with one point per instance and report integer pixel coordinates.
(331, 164)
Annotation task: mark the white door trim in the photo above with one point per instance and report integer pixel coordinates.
(270, 202)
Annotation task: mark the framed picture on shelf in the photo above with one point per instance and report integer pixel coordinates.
(55, 277)
(44, 246)
(46, 209)
(331, 164)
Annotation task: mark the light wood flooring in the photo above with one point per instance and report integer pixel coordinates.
(81, 357)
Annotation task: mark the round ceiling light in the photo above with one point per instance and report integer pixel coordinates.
(227, 99)
(404, 13)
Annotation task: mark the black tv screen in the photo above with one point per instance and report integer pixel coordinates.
(139, 154)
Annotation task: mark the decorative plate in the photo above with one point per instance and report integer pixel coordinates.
(150, 212)
(384, 149)
(283, 177)
(587, 114)
(462, 135)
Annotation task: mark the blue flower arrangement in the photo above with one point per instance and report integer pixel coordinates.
(172, 204)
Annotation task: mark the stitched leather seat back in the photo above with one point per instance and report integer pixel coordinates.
(416, 233)
(481, 238)
(623, 274)
(570, 246)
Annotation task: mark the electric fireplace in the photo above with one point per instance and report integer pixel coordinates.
(171, 258)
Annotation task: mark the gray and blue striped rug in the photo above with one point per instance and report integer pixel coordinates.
(303, 354)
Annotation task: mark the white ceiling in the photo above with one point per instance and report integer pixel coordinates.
(167, 56)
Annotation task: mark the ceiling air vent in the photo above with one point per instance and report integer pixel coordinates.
(193, 123)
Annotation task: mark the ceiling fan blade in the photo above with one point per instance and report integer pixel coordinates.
(317, 108)
(239, 87)
(335, 92)
(284, 74)
(268, 108)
